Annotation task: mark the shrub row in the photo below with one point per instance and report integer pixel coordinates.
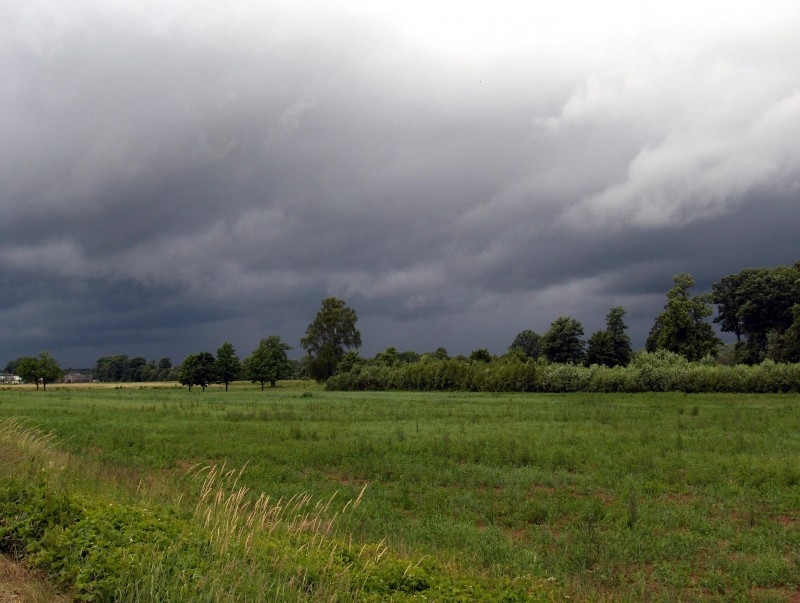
(659, 371)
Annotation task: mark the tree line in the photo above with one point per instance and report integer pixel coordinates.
(760, 306)
(120, 368)
(268, 363)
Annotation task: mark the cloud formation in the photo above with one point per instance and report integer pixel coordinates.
(178, 175)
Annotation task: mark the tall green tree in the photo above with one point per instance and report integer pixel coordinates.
(755, 304)
(682, 327)
(600, 349)
(408, 356)
(480, 355)
(198, 369)
(111, 368)
(620, 340)
(187, 371)
(43, 367)
(332, 333)
(136, 370)
(27, 367)
(386, 358)
(269, 362)
(563, 341)
(348, 361)
(11, 367)
(440, 353)
(785, 347)
(529, 342)
(163, 370)
(49, 369)
(791, 337)
(229, 367)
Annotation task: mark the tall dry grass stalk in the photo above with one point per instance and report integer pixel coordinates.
(27, 450)
(25, 447)
(231, 515)
(294, 530)
(238, 524)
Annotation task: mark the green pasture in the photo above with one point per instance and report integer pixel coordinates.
(664, 497)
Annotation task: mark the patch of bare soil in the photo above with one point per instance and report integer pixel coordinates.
(18, 585)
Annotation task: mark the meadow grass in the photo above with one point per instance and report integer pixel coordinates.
(610, 496)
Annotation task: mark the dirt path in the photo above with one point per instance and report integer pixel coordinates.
(18, 585)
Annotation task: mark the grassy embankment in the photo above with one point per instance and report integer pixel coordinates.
(638, 497)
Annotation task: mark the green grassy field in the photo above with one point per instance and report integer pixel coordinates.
(659, 497)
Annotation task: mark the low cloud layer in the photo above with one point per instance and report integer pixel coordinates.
(172, 177)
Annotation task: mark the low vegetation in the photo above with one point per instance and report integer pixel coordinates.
(208, 540)
(145, 494)
(659, 371)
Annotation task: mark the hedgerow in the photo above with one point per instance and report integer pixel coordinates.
(659, 371)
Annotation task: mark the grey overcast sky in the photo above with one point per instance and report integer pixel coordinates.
(177, 174)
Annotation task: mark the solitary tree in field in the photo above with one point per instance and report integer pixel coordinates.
(269, 362)
(332, 333)
(229, 367)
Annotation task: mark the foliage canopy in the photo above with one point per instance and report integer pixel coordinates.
(268, 362)
(332, 333)
(756, 305)
(229, 367)
(682, 327)
(198, 369)
(42, 369)
(563, 341)
(529, 342)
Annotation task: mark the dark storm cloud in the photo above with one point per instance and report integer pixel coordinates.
(177, 176)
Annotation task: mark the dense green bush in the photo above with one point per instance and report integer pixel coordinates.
(659, 371)
(88, 547)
